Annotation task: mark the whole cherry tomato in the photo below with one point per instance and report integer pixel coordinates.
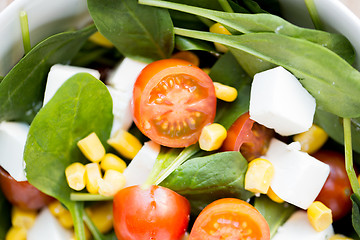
(155, 213)
(22, 194)
(248, 137)
(337, 189)
(172, 101)
(230, 218)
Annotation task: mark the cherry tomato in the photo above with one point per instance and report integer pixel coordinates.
(248, 137)
(172, 101)
(22, 194)
(337, 189)
(230, 218)
(155, 213)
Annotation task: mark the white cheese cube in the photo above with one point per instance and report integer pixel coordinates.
(59, 74)
(140, 167)
(298, 227)
(12, 142)
(278, 101)
(298, 177)
(47, 227)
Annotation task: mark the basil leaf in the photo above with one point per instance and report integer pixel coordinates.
(204, 179)
(22, 89)
(137, 31)
(5, 222)
(356, 213)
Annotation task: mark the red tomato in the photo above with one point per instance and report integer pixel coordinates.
(172, 101)
(232, 219)
(155, 213)
(22, 194)
(337, 189)
(248, 137)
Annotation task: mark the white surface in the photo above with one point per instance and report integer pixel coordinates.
(140, 167)
(279, 101)
(12, 142)
(298, 177)
(59, 74)
(298, 227)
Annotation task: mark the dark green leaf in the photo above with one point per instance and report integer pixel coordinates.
(137, 31)
(356, 213)
(5, 221)
(204, 179)
(22, 89)
(186, 44)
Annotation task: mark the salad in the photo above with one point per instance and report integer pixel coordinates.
(181, 120)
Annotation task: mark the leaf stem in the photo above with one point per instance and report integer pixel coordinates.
(97, 235)
(25, 31)
(88, 197)
(226, 6)
(314, 14)
(76, 211)
(348, 157)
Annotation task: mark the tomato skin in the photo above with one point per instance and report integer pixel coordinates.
(336, 191)
(22, 194)
(230, 218)
(172, 101)
(152, 213)
(248, 137)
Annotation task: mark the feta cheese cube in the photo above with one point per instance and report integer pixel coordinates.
(298, 177)
(59, 74)
(280, 102)
(298, 227)
(12, 142)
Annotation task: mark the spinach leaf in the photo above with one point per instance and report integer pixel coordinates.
(137, 31)
(186, 44)
(274, 213)
(22, 89)
(204, 179)
(356, 213)
(81, 105)
(5, 222)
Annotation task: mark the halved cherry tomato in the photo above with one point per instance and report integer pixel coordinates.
(22, 194)
(230, 218)
(336, 191)
(155, 213)
(248, 137)
(172, 101)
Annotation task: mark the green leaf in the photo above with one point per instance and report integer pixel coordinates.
(137, 31)
(22, 89)
(186, 44)
(356, 213)
(5, 221)
(203, 179)
(274, 213)
(81, 105)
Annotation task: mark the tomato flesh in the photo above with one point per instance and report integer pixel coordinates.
(173, 101)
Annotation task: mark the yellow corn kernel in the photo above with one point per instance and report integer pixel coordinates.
(212, 136)
(56, 208)
(339, 237)
(218, 28)
(125, 143)
(92, 176)
(75, 176)
(113, 182)
(65, 219)
(92, 147)
(102, 216)
(259, 175)
(270, 193)
(311, 140)
(187, 56)
(23, 218)
(225, 93)
(16, 233)
(111, 161)
(99, 39)
(319, 215)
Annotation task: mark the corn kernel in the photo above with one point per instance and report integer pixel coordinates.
(92, 147)
(102, 216)
(92, 176)
(65, 219)
(111, 161)
(212, 136)
(225, 93)
(16, 233)
(113, 182)
(23, 218)
(75, 176)
(311, 140)
(99, 39)
(56, 208)
(187, 56)
(125, 143)
(319, 215)
(259, 175)
(270, 193)
(339, 237)
(218, 28)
